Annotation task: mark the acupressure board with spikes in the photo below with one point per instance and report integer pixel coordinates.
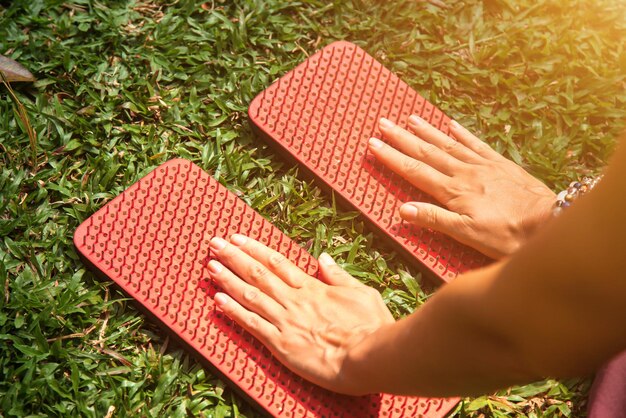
(153, 241)
(321, 115)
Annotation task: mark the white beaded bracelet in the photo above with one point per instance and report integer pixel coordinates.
(573, 192)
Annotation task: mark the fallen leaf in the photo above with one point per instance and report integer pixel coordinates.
(14, 71)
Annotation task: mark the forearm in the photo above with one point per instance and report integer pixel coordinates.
(447, 347)
(554, 309)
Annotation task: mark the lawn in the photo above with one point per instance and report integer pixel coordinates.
(123, 86)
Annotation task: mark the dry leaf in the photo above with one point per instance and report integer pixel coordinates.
(13, 71)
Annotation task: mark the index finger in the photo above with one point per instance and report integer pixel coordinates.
(249, 269)
(273, 260)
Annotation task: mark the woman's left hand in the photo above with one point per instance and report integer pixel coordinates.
(308, 324)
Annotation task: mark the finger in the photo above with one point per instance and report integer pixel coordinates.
(432, 135)
(434, 217)
(414, 147)
(334, 275)
(474, 143)
(249, 269)
(246, 295)
(263, 330)
(418, 173)
(273, 260)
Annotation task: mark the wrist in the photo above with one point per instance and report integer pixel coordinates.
(549, 204)
(537, 213)
(359, 366)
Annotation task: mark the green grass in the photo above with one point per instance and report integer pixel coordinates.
(125, 85)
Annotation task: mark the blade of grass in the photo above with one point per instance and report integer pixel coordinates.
(26, 126)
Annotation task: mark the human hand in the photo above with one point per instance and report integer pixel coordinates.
(309, 325)
(491, 203)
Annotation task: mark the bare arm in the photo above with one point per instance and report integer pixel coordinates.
(556, 308)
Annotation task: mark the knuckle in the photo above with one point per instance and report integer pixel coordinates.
(252, 322)
(258, 273)
(276, 260)
(450, 145)
(460, 189)
(430, 216)
(307, 285)
(285, 346)
(428, 150)
(411, 166)
(250, 295)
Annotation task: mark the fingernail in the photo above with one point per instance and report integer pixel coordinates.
(215, 266)
(326, 259)
(386, 123)
(220, 299)
(408, 211)
(375, 143)
(416, 120)
(454, 124)
(217, 244)
(237, 239)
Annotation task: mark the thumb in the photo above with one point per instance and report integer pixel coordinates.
(431, 216)
(334, 275)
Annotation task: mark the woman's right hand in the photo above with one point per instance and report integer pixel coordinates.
(490, 203)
